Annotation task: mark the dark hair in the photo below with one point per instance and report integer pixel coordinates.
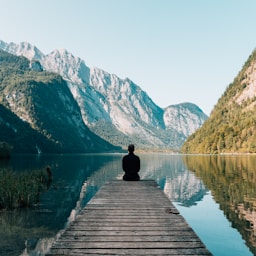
(131, 148)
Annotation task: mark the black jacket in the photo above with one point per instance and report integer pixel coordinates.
(131, 167)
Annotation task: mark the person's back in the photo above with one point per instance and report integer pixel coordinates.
(131, 165)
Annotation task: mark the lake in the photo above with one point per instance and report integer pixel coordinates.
(215, 194)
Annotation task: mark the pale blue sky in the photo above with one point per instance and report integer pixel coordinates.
(175, 50)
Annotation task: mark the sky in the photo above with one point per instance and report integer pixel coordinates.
(175, 50)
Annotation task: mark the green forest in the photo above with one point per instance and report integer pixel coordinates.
(231, 127)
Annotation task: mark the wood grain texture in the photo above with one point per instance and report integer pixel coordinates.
(129, 218)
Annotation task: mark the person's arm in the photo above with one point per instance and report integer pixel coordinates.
(138, 164)
(123, 164)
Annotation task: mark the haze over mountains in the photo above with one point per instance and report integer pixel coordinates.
(115, 109)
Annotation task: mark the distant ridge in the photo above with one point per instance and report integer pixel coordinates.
(116, 109)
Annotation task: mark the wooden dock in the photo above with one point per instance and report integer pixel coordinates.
(129, 218)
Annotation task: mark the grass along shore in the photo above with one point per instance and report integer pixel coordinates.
(22, 190)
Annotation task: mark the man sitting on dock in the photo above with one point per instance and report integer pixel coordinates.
(131, 165)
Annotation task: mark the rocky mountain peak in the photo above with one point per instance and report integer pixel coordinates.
(23, 49)
(71, 68)
(117, 109)
(185, 117)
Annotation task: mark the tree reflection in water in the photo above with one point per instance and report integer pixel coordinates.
(232, 181)
(76, 178)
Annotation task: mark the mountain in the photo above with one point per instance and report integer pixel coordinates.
(38, 112)
(231, 127)
(116, 109)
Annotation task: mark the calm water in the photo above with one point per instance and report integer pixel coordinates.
(215, 194)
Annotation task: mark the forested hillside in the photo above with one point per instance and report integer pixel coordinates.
(116, 109)
(231, 127)
(38, 112)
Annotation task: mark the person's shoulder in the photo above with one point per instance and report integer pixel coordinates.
(125, 156)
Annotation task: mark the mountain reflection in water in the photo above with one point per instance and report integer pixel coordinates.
(186, 180)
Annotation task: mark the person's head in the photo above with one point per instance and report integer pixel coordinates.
(131, 148)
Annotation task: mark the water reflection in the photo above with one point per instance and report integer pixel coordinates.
(232, 181)
(76, 178)
(175, 180)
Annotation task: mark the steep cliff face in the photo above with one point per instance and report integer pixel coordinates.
(39, 113)
(117, 109)
(185, 118)
(231, 127)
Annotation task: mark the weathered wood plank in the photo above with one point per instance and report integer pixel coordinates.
(134, 239)
(129, 218)
(134, 252)
(142, 233)
(143, 220)
(129, 245)
(135, 229)
(127, 225)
